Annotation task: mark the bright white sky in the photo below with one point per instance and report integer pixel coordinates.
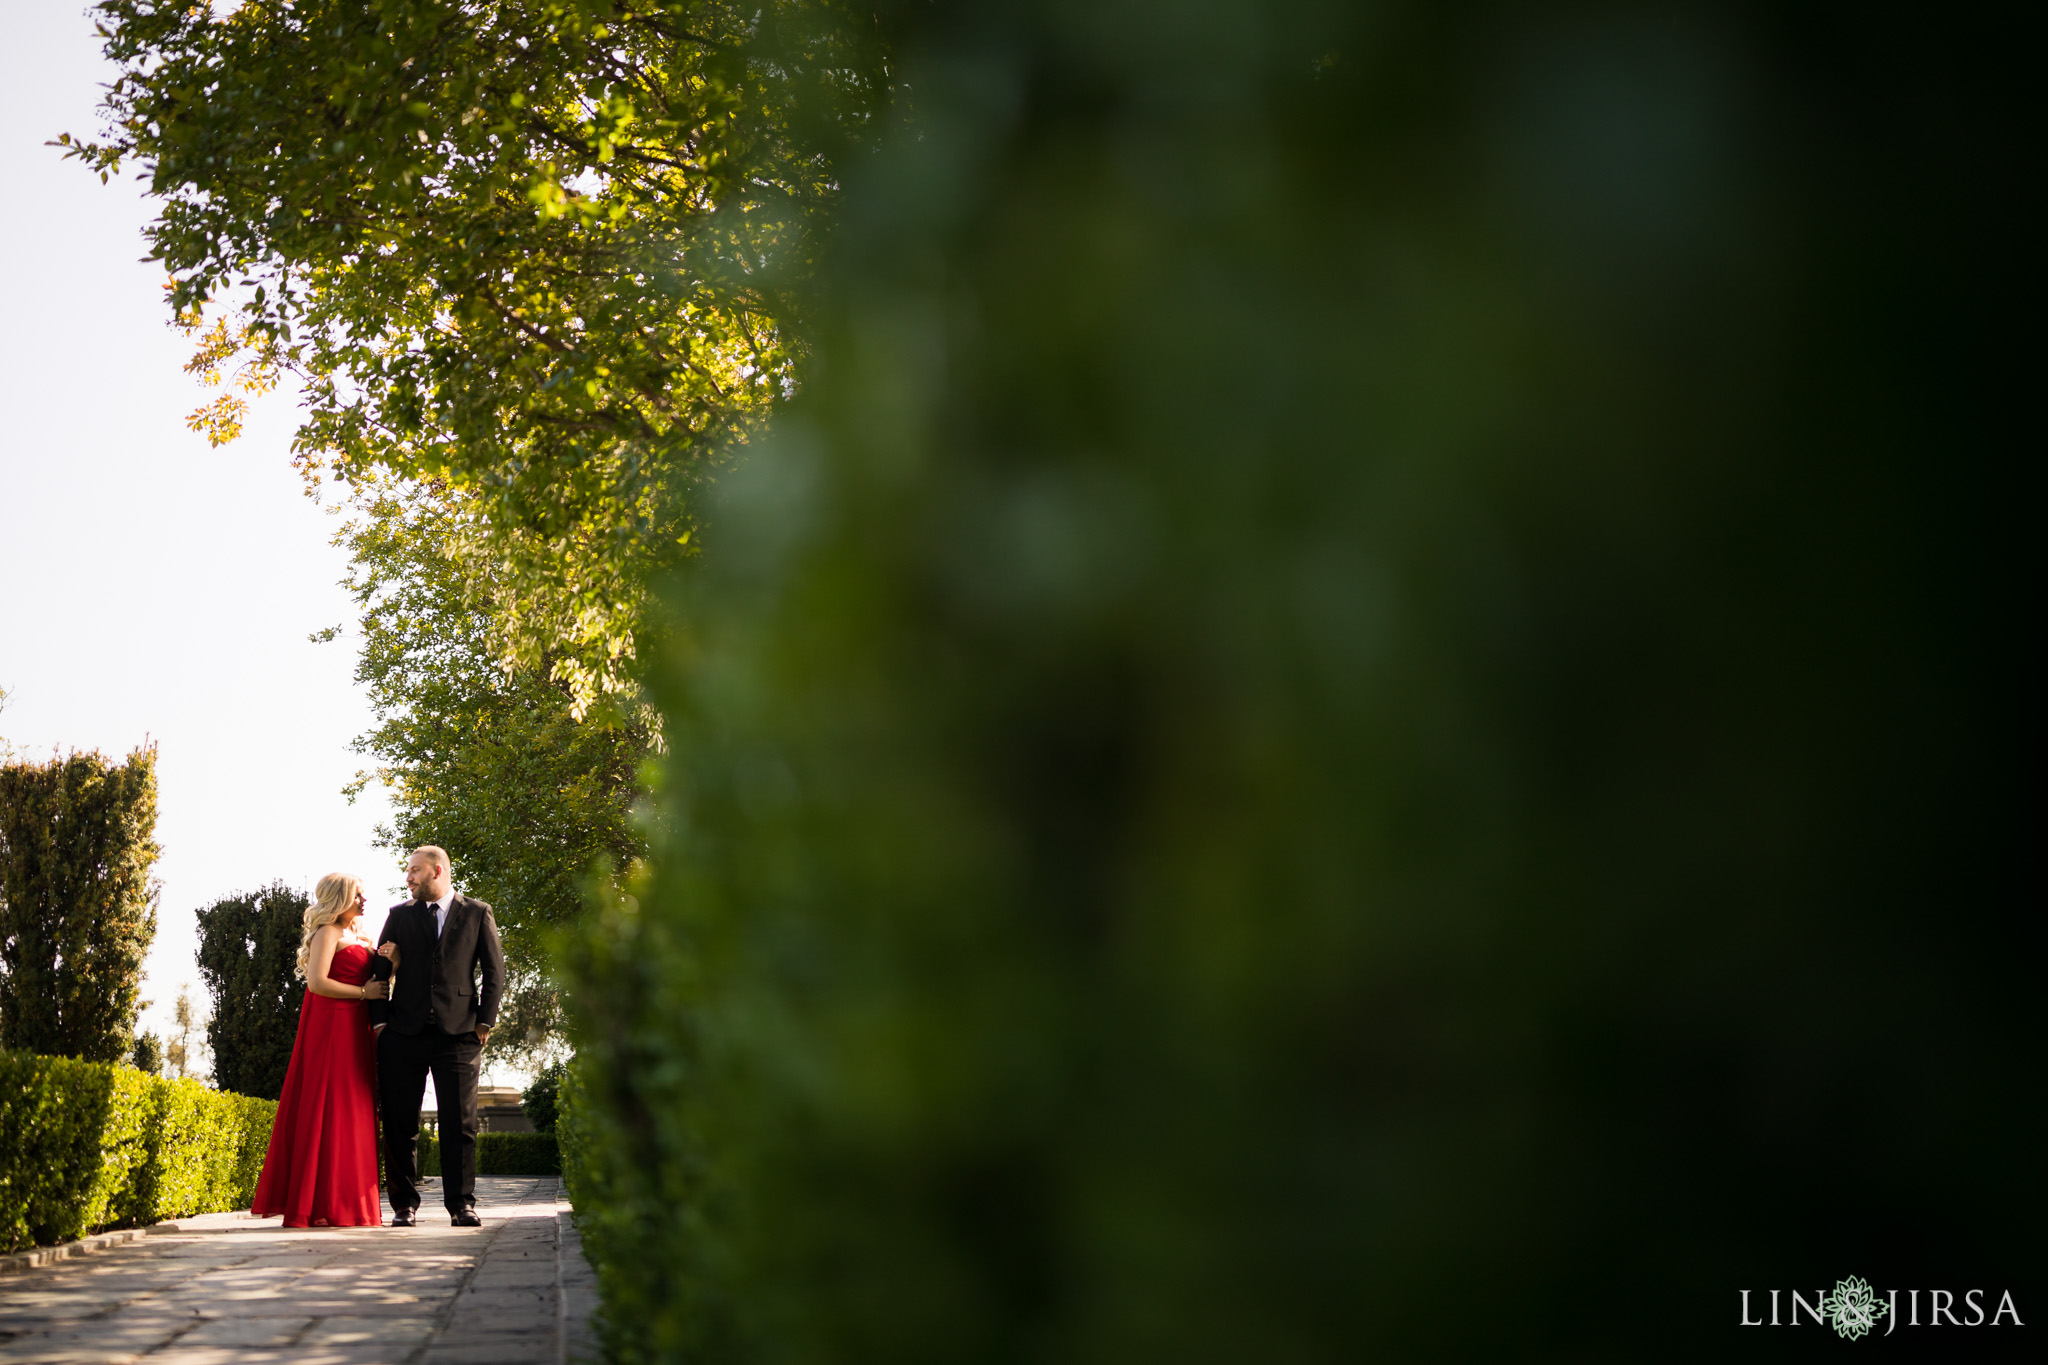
(152, 587)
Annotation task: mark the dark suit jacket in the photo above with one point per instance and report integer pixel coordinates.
(437, 977)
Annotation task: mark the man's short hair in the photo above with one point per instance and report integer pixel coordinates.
(436, 852)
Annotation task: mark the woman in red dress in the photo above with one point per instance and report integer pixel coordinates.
(321, 1170)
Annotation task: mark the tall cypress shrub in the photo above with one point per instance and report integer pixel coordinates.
(1377, 706)
(248, 954)
(77, 902)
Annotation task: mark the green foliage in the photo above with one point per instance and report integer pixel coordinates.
(517, 1154)
(542, 1100)
(578, 1148)
(148, 1055)
(500, 1154)
(205, 1151)
(254, 1117)
(532, 249)
(77, 902)
(73, 1136)
(91, 1145)
(248, 957)
(1368, 705)
(486, 760)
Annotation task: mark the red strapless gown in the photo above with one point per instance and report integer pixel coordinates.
(322, 1167)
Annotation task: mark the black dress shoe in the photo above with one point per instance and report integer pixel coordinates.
(401, 1218)
(466, 1219)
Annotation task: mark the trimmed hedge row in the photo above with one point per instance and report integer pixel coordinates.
(92, 1145)
(501, 1154)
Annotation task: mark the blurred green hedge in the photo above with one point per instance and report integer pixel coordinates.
(92, 1145)
(1377, 704)
(500, 1154)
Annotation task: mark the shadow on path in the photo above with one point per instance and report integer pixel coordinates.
(224, 1291)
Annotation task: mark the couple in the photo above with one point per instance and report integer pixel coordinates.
(361, 1035)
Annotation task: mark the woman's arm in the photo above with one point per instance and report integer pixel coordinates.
(325, 940)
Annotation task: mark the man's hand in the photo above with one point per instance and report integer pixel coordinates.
(483, 1034)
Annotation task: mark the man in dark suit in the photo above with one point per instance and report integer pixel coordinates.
(437, 1020)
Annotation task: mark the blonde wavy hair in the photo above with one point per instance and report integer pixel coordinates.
(334, 897)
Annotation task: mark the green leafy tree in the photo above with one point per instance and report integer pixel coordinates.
(248, 961)
(77, 902)
(542, 1100)
(148, 1054)
(486, 759)
(538, 249)
(531, 261)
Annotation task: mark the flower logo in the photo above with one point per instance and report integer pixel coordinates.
(1853, 1308)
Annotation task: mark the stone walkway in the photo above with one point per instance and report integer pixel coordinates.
(227, 1290)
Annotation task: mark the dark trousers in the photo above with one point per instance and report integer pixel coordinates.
(403, 1063)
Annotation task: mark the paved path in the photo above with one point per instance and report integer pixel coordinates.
(235, 1291)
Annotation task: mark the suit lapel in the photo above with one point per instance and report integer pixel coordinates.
(458, 982)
